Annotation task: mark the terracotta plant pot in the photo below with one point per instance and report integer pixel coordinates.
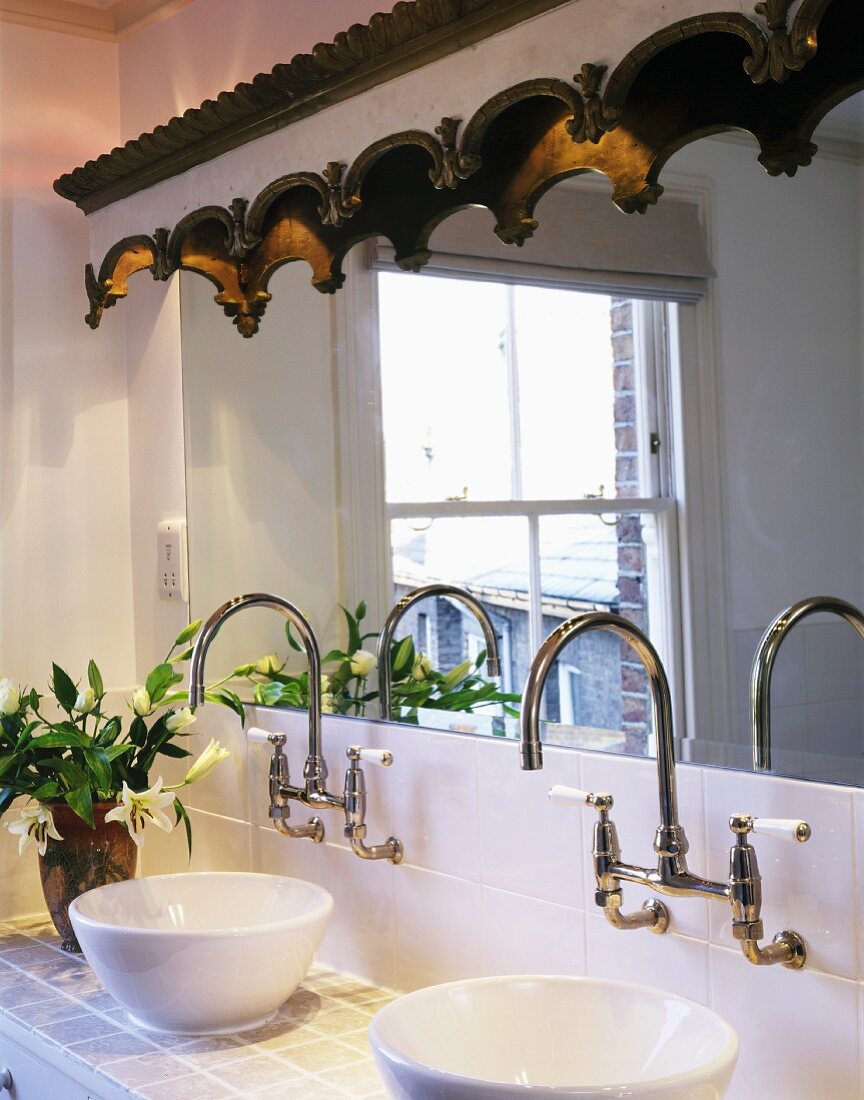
(83, 859)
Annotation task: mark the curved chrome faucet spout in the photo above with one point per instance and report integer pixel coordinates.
(385, 640)
(763, 665)
(661, 703)
(315, 771)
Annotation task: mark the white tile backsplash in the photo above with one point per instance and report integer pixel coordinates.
(497, 880)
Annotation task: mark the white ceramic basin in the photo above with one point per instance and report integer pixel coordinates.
(505, 1037)
(201, 953)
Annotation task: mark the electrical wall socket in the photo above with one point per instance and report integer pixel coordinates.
(172, 561)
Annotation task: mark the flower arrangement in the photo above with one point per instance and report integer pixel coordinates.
(344, 683)
(86, 756)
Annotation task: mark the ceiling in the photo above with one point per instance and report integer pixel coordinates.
(107, 20)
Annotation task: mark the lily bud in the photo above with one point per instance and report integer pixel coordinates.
(10, 697)
(362, 662)
(268, 664)
(205, 763)
(86, 701)
(141, 702)
(179, 721)
(422, 666)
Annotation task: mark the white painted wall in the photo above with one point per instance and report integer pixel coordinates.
(211, 45)
(64, 536)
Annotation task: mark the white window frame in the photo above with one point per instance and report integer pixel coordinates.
(692, 579)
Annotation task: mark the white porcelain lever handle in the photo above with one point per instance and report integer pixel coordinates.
(781, 828)
(382, 757)
(559, 795)
(256, 734)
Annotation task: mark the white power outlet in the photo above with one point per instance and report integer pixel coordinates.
(172, 563)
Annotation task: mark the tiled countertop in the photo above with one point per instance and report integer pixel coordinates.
(316, 1049)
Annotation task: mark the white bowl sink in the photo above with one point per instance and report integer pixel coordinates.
(202, 953)
(492, 1038)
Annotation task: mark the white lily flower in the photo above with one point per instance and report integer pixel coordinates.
(10, 697)
(141, 702)
(362, 662)
(86, 701)
(179, 721)
(268, 664)
(327, 702)
(422, 666)
(134, 810)
(34, 825)
(205, 763)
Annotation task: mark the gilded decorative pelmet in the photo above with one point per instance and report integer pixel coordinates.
(702, 75)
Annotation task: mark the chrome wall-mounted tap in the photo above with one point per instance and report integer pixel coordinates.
(385, 639)
(313, 793)
(671, 876)
(763, 665)
(353, 800)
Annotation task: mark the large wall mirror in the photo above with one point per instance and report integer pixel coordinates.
(657, 415)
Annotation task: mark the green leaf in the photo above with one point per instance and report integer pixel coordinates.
(60, 739)
(115, 751)
(138, 731)
(64, 690)
(51, 789)
(100, 766)
(109, 732)
(402, 656)
(94, 678)
(480, 658)
(334, 655)
(159, 680)
(353, 631)
(182, 815)
(73, 775)
(227, 699)
(81, 801)
(268, 694)
(7, 759)
(295, 645)
(187, 634)
(173, 750)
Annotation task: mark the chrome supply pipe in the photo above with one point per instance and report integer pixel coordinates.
(385, 639)
(315, 770)
(763, 665)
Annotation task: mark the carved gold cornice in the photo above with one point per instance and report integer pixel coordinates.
(413, 34)
(704, 75)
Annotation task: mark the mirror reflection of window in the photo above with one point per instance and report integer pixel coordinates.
(505, 431)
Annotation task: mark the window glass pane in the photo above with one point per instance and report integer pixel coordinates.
(566, 393)
(445, 393)
(488, 557)
(597, 692)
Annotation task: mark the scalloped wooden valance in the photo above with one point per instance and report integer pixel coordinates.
(702, 75)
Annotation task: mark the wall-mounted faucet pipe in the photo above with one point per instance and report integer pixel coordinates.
(743, 889)
(385, 640)
(763, 665)
(661, 703)
(315, 770)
